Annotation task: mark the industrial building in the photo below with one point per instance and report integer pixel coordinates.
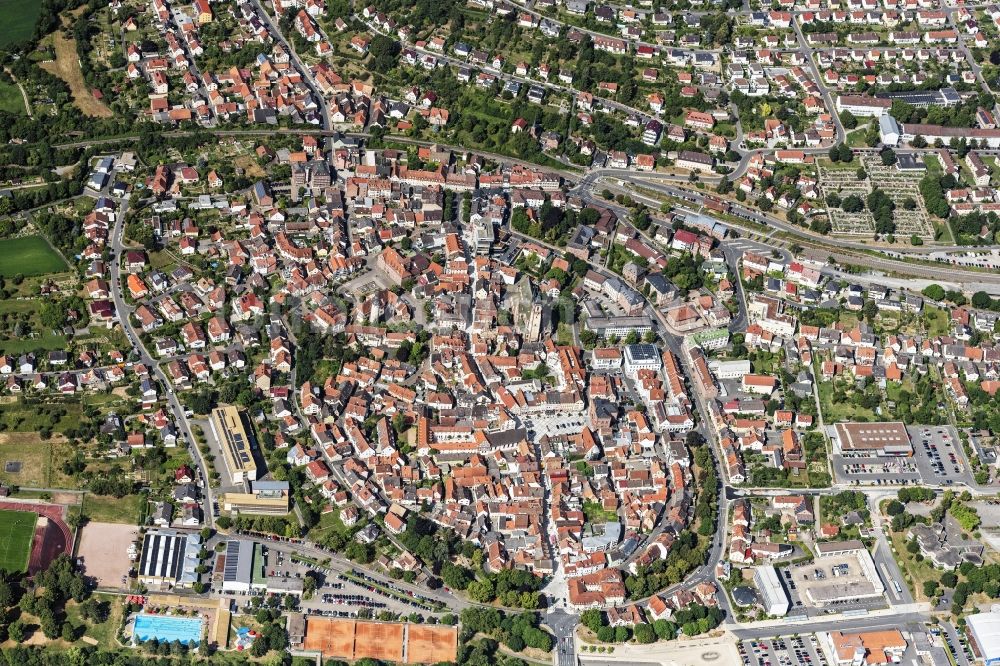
(983, 630)
(773, 596)
(872, 439)
(236, 442)
(169, 559)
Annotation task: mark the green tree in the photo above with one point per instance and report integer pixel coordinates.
(16, 631)
(644, 633)
(593, 619)
(935, 292)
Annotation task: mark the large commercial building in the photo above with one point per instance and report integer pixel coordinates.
(873, 439)
(848, 575)
(243, 567)
(984, 634)
(236, 442)
(772, 593)
(169, 559)
(268, 498)
(867, 647)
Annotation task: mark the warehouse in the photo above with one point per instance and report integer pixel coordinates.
(772, 593)
(984, 635)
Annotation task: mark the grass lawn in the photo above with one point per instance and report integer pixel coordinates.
(595, 513)
(46, 341)
(21, 416)
(67, 67)
(856, 138)
(838, 166)
(19, 19)
(17, 528)
(916, 573)
(330, 522)
(840, 411)
(11, 100)
(110, 509)
(40, 460)
(103, 633)
(28, 255)
(937, 320)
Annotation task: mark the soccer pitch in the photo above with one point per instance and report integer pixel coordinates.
(17, 528)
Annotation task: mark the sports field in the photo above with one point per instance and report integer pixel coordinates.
(385, 641)
(19, 19)
(28, 255)
(17, 528)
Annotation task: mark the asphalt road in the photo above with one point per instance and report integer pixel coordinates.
(174, 405)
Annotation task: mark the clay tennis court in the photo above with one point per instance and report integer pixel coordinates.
(427, 644)
(378, 641)
(334, 638)
(350, 639)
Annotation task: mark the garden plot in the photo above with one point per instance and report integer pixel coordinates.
(897, 186)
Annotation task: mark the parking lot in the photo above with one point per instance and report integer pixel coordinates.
(937, 459)
(343, 598)
(339, 594)
(783, 651)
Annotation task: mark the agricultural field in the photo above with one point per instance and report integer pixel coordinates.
(28, 255)
(19, 19)
(17, 528)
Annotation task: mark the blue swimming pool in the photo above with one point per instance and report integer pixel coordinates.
(165, 628)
